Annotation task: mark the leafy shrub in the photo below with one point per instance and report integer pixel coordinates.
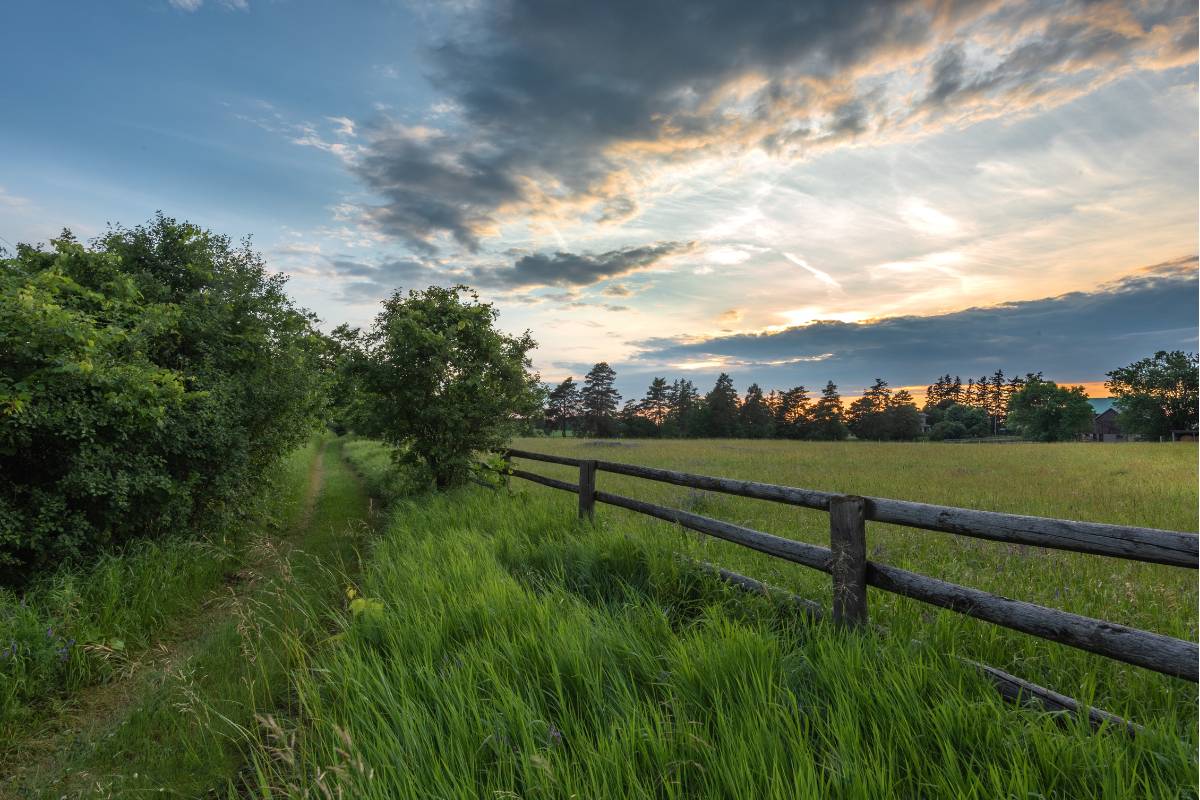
(146, 381)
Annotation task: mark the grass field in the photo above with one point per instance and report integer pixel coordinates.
(503, 649)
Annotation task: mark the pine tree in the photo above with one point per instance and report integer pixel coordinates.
(721, 409)
(792, 414)
(600, 399)
(563, 404)
(827, 417)
(684, 403)
(999, 400)
(755, 415)
(656, 404)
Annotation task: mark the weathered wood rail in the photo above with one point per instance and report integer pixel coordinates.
(852, 572)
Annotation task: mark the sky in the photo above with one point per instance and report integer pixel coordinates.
(791, 192)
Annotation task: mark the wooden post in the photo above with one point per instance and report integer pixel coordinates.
(848, 543)
(507, 461)
(587, 490)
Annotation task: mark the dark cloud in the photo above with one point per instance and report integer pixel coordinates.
(1077, 336)
(576, 269)
(556, 102)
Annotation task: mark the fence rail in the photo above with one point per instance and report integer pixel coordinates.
(852, 573)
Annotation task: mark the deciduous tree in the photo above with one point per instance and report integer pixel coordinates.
(1157, 395)
(444, 383)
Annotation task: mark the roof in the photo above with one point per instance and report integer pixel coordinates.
(1101, 404)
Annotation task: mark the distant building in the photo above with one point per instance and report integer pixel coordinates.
(1105, 427)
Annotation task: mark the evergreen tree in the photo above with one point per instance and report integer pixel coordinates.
(955, 392)
(684, 404)
(827, 416)
(998, 402)
(599, 400)
(792, 413)
(563, 404)
(755, 415)
(656, 404)
(635, 423)
(720, 415)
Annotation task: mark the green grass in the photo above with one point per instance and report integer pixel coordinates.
(81, 626)
(186, 736)
(506, 650)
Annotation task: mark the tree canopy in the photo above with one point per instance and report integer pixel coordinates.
(1046, 412)
(1157, 395)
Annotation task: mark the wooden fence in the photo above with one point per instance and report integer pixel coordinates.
(845, 560)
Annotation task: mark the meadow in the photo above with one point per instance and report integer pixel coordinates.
(493, 645)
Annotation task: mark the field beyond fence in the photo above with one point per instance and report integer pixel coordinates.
(846, 561)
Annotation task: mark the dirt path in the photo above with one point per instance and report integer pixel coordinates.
(98, 707)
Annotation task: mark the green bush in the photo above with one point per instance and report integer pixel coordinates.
(146, 381)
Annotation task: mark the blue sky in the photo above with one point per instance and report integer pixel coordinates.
(791, 192)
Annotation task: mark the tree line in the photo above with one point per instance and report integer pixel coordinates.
(1155, 395)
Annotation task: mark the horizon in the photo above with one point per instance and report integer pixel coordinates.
(790, 194)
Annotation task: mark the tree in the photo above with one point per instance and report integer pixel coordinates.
(444, 383)
(754, 416)
(827, 416)
(564, 404)
(866, 417)
(720, 414)
(1047, 412)
(792, 413)
(147, 382)
(683, 413)
(634, 421)
(1158, 394)
(600, 399)
(902, 420)
(656, 404)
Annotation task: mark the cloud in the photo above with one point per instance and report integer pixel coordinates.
(577, 269)
(1077, 336)
(567, 110)
(823, 277)
(11, 200)
(617, 290)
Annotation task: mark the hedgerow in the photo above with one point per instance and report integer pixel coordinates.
(146, 382)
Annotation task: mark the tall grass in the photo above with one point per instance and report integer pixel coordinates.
(502, 649)
(83, 624)
(185, 734)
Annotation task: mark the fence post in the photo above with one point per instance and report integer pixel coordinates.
(848, 542)
(506, 461)
(587, 489)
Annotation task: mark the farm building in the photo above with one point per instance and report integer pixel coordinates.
(1104, 425)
